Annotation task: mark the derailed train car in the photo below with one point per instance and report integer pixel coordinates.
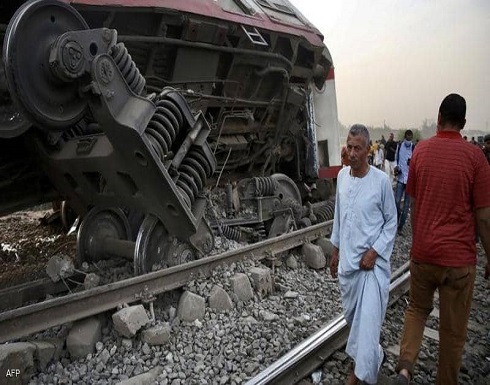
(134, 106)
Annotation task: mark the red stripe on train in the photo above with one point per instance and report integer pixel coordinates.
(329, 172)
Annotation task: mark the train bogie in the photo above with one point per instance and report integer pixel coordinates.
(141, 105)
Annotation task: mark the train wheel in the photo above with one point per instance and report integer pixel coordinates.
(32, 30)
(155, 247)
(99, 225)
(286, 187)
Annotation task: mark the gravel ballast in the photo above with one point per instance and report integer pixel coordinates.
(231, 346)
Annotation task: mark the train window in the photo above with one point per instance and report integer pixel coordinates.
(238, 6)
(276, 5)
(282, 11)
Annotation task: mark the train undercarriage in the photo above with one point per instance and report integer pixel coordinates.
(130, 115)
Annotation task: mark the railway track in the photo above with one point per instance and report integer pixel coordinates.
(33, 318)
(315, 350)
(238, 348)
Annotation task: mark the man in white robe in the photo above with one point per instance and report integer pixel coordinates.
(363, 234)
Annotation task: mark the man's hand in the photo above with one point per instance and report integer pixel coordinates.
(368, 260)
(334, 262)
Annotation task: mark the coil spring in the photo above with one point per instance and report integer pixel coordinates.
(261, 231)
(128, 68)
(264, 186)
(324, 212)
(231, 233)
(164, 126)
(193, 173)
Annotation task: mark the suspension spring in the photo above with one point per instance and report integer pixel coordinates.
(128, 68)
(261, 231)
(164, 126)
(231, 233)
(193, 173)
(264, 186)
(324, 212)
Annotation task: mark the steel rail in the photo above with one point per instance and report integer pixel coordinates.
(315, 350)
(40, 316)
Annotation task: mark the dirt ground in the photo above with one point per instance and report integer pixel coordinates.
(27, 243)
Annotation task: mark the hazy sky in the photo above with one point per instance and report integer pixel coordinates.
(395, 60)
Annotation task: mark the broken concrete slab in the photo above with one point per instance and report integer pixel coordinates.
(58, 343)
(313, 256)
(261, 280)
(242, 287)
(44, 353)
(292, 262)
(157, 335)
(191, 307)
(129, 320)
(83, 336)
(17, 362)
(219, 299)
(326, 247)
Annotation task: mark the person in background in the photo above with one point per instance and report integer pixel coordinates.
(363, 234)
(486, 147)
(390, 151)
(371, 153)
(449, 196)
(379, 157)
(402, 159)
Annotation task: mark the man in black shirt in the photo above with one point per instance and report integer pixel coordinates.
(390, 151)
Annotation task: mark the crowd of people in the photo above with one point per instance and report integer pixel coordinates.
(382, 152)
(449, 203)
